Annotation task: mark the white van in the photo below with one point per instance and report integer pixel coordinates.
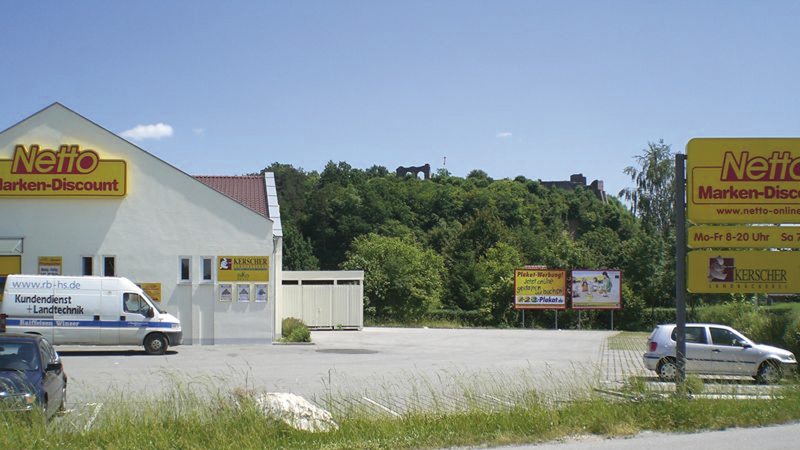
(87, 310)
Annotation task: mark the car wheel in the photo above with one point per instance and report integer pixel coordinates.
(769, 373)
(667, 369)
(155, 344)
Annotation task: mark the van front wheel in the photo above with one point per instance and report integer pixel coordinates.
(155, 344)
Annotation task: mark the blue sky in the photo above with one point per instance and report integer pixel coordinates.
(532, 88)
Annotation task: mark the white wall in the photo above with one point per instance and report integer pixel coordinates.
(166, 214)
(338, 303)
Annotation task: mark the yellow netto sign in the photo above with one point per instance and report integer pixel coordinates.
(243, 268)
(540, 289)
(67, 172)
(718, 271)
(743, 237)
(743, 180)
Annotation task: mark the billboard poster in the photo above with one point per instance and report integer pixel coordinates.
(243, 268)
(744, 180)
(261, 293)
(540, 289)
(69, 171)
(243, 292)
(732, 271)
(596, 289)
(225, 292)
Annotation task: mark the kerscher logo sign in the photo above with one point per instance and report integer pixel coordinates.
(243, 268)
(67, 172)
(743, 180)
(725, 271)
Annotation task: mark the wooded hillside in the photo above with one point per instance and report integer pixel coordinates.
(451, 244)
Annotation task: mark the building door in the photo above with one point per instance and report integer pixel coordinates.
(9, 265)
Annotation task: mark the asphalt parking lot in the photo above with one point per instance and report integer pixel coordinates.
(373, 360)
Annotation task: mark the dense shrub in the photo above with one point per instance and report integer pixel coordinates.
(759, 324)
(299, 334)
(294, 330)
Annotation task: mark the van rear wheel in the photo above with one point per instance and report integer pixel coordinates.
(155, 344)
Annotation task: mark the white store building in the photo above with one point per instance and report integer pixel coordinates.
(77, 199)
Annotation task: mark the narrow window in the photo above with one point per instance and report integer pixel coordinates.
(87, 265)
(186, 269)
(109, 266)
(206, 269)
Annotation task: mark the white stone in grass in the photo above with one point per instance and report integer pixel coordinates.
(295, 411)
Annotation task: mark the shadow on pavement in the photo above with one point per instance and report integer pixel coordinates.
(110, 353)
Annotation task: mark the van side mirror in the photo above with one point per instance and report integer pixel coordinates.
(52, 367)
(150, 313)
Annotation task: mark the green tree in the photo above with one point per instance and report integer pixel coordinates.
(496, 278)
(653, 197)
(298, 253)
(482, 232)
(402, 281)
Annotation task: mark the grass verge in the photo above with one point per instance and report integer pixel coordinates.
(188, 421)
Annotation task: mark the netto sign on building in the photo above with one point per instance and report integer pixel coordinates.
(743, 180)
(67, 172)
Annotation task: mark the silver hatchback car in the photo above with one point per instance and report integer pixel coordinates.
(713, 349)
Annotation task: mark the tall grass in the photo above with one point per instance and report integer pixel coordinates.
(445, 410)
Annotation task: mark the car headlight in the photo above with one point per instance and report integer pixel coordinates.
(22, 401)
(28, 399)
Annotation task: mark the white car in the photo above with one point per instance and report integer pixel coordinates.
(713, 349)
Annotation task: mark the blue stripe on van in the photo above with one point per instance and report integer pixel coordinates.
(85, 323)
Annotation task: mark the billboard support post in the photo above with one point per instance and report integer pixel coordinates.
(680, 267)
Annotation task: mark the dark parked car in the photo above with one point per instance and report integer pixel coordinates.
(31, 375)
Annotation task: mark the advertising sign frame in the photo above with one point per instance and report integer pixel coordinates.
(35, 171)
(593, 281)
(243, 268)
(50, 265)
(543, 285)
(743, 180)
(742, 271)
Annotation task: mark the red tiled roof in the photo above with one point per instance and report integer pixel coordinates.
(250, 191)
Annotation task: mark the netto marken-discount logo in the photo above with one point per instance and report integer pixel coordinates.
(68, 160)
(69, 171)
(778, 167)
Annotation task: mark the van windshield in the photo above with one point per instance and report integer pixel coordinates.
(152, 303)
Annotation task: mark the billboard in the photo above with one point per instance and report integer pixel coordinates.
(243, 268)
(742, 271)
(540, 289)
(69, 171)
(744, 180)
(596, 289)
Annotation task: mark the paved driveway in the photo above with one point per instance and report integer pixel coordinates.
(372, 362)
